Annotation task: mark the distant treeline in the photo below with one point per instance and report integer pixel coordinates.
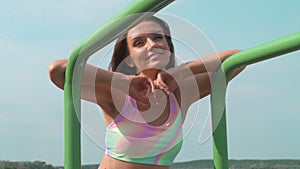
(199, 164)
(25, 165)
(241, 164)
(233, 164)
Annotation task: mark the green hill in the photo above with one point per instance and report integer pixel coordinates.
(241, 164)
(233, 164)
(25, 165)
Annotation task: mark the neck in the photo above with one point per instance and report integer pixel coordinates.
(151, 73)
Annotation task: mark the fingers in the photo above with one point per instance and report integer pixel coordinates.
(148, 90)
(139, 89)
(138, 95)
(141, 98)
(159, 82)
(142, 87)
(152, 85)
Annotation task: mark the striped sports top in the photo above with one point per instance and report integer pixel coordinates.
(130, 138)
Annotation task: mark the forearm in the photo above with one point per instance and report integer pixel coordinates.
(103, 77)
(99, 84)
(92, 76)
(209, 63)
(236, 72)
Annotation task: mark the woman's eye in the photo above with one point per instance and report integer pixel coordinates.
(157, 37)
(138, 43)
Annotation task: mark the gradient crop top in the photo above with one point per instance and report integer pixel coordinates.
(130, 138)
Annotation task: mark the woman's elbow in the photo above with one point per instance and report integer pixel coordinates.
(56, 72)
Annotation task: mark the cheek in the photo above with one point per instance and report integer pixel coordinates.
(167, 54)
(138, 54)
(165, 45)
(167, 60)
(138, 57)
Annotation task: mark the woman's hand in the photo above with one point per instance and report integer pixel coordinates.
(166, 82)
(140, 88)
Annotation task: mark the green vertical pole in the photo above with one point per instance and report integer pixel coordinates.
(104, 35)
(220, 151)
(262, 52)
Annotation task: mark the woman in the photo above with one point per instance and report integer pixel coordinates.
(144, 98)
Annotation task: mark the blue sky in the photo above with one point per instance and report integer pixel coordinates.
(263, 102)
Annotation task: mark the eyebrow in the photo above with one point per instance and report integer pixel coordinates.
(136, 36)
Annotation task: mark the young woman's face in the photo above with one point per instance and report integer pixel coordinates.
(147, 46)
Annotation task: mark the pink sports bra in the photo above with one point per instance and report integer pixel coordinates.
(130, 138)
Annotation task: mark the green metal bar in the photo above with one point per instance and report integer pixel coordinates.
(104, 35)
(266, 51)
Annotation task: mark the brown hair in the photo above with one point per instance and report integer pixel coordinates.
(121, 49)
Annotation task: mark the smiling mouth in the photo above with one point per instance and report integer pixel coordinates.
(154, 55)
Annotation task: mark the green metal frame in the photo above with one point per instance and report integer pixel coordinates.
(72, 88)
(266, 51)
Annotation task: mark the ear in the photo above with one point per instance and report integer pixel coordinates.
(129, 62)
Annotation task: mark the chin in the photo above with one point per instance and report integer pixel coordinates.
(160, 66)
(160, 63)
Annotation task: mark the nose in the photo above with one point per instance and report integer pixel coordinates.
(151, 43)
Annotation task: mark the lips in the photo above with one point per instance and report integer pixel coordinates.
(151, 55)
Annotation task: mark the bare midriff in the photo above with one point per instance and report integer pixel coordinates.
(112, 163)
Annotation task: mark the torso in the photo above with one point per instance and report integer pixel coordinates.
(112, 163)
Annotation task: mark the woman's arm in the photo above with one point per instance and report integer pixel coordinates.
(57, 72)
(169, 80)
(194, 75)
(97, 83)
(209, 63)
(201, 83)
